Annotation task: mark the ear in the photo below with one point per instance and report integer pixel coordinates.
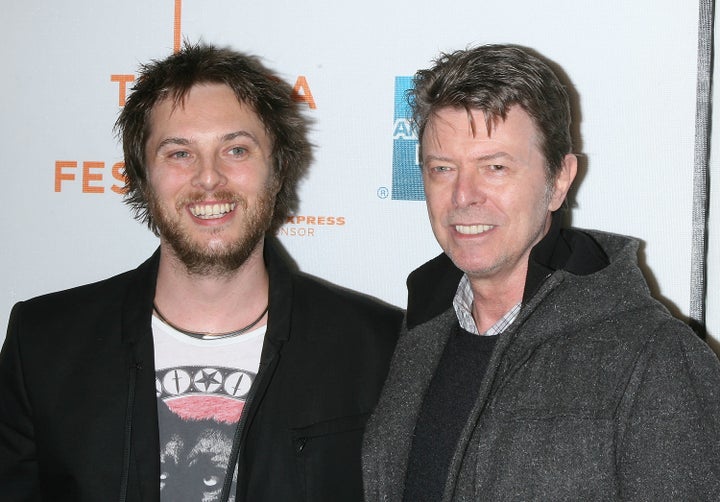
(276, 182)
(563, 181)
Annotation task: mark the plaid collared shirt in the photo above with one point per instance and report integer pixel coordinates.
(463, 309)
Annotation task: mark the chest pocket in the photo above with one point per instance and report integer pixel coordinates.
(327, 458)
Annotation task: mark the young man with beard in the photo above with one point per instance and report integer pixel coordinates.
(535, 364)
(214, 368)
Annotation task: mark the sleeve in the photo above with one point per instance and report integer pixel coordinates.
(669, 447)
(18, 463)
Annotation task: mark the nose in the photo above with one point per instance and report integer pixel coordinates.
(468, 188)
(209, 173)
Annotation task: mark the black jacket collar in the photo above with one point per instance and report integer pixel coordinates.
(280, 296)
(432, 287)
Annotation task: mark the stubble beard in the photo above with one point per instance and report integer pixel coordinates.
(214, 260)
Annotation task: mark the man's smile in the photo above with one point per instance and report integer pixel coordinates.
(473, 229)
(211, 211)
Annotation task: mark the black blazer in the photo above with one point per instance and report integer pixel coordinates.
(78, 409)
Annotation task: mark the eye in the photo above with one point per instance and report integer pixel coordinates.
(440, 169)
(497, 169)
(238, 151)
(179, 155)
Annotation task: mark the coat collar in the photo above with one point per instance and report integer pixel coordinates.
(278, 264)
(138, 303)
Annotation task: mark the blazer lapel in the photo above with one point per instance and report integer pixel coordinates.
(141, 424)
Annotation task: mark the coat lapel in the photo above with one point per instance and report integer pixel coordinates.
(141, 427)
(414, 363)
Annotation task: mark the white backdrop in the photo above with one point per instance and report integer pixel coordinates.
(632, 66)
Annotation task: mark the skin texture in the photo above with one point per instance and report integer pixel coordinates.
(489, 200)
(210, 149)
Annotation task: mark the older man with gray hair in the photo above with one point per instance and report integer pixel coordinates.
(535, 365)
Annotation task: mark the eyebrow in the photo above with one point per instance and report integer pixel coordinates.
(246, 134)
(174, 140)
(481, 158)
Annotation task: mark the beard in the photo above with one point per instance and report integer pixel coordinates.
(216, 258)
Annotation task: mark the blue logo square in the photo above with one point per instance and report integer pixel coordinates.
(406, 178)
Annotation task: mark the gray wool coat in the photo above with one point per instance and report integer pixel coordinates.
(594, 393)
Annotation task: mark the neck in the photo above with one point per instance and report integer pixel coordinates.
(495, 295)
(212, 303)
(493, 299)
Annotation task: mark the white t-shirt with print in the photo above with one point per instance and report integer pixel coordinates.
(201, 386)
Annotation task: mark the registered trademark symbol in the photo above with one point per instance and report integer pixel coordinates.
(383, 192)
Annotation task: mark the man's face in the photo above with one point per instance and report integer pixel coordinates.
(211, 186)
(487, 195)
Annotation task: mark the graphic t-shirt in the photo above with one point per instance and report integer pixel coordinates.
(201, 387)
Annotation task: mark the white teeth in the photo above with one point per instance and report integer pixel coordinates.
(210, 211)
(472, 229)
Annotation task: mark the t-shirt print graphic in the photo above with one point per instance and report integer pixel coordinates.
(198, 409)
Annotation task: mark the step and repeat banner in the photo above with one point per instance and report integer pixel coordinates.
(69, 66)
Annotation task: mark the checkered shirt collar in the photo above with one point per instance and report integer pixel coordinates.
(463, 309)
